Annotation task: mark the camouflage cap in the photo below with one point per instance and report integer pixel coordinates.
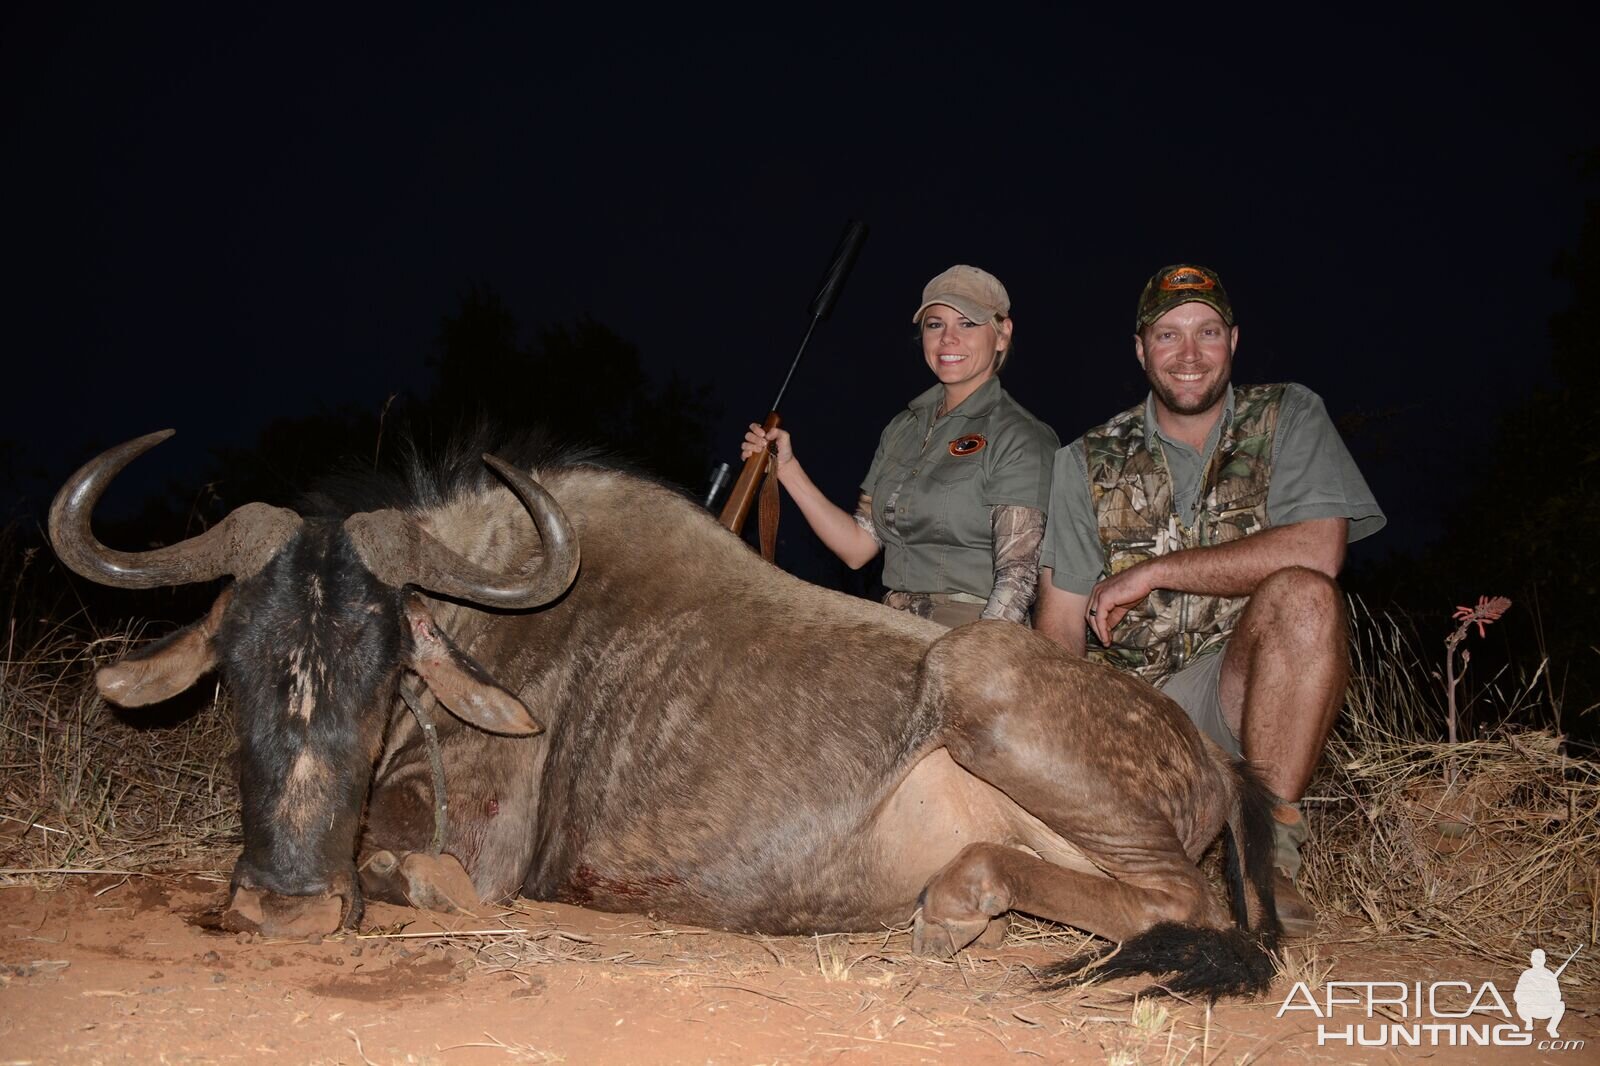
(976, 293)
(1181, 283)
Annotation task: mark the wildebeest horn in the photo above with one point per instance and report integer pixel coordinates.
(241, 544)
(400, 552)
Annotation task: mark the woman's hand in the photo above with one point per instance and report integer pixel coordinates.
(852, 543)
(774, 440)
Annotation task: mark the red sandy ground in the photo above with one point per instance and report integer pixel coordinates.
(113, 969)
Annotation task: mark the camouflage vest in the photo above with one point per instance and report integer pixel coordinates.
(1132, 493)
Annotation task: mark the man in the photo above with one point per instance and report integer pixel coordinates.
(1195, 538)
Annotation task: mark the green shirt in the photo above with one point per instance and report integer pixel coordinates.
(1313, 476)
(930, 505)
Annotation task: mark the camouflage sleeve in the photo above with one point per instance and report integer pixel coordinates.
(863, 517)
(1018, 534)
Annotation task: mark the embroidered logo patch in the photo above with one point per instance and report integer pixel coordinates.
(971, 444)
(1186, 278)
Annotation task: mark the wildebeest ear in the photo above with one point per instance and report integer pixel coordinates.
(464, 687)
(162, 670)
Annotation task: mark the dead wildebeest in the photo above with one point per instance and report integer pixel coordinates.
(721, 743)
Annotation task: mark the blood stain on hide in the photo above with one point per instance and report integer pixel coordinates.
(589, 885)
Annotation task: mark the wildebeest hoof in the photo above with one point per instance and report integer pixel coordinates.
(417, 879)
(439, 883)
(378, 864)
(994, 934)
(941, 940)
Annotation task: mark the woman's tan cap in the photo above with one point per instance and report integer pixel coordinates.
(976, 293)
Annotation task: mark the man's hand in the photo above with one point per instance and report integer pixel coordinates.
(1113, 597)
(1231, 569)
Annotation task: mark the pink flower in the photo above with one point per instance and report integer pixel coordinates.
(1488, 610)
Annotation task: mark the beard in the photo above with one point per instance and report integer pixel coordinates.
(1172, 402)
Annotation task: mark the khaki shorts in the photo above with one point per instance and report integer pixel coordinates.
(1197, 688)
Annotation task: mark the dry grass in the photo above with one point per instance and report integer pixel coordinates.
(1026, 929)
(1489, 847)
(86, 789)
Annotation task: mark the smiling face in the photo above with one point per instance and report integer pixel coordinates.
(961, 353)
(1187, 355)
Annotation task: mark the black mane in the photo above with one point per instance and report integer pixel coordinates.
(415, 476)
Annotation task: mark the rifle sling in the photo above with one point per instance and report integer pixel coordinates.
(768, 512)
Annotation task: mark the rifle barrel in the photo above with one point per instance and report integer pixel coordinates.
(844, 257)
(743, 492)
(776, 400)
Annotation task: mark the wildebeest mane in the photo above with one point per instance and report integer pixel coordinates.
(415, 476)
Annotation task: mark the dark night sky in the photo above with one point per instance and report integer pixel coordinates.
(222, 217)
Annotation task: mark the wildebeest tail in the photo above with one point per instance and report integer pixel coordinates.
(1192, 960)
(1188, 960)
(1249, 862)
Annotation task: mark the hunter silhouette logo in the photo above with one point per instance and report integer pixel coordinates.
(1447, 1013)
(1538, 992)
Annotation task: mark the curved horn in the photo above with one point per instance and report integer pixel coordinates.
(241, 544)
(399, 552)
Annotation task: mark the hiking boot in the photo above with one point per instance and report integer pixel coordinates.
(1294, 913)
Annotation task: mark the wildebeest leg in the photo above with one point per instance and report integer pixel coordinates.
(1101, 759)
(486, 844)
(963, 901)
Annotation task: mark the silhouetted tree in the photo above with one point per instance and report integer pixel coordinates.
(289, 454)
(1530, 524)
(581, 381)
(479, 364)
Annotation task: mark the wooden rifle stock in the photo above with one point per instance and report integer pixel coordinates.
(743, 493)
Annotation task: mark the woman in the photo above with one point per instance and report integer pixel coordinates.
(956, 494)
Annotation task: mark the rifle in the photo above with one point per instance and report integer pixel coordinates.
(756, 472)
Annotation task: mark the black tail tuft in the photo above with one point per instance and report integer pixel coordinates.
(1194, 961)
(1250, 843)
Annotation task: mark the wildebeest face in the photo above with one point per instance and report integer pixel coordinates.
(312, 639)
(311, 649)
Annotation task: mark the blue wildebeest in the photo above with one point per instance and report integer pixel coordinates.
(675, 727)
